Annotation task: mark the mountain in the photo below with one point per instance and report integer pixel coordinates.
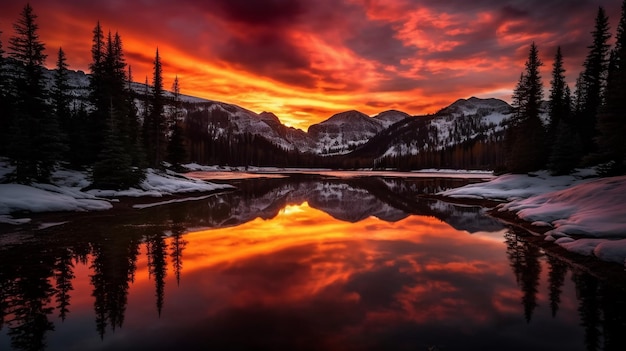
(374, 141)
(343, 132)
(466, 134)
(388, 118)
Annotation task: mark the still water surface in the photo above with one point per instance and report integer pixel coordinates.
(284, 264)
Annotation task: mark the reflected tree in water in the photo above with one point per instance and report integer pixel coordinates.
(602, 309)
(113, 265)
(177, 245)
(157, 265)
(30, 294)
(588, 308)
(614, 311)
(556, 279)
(524, 259)
(64, 274)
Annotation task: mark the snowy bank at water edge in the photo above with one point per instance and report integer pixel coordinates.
(592, 210)
(65, 194)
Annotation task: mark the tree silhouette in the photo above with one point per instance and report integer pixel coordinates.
(64, 274)
(524, 259)
(525, 139)
(114, 168)
(113, 264)
(611, 120)
(155, 125)
(565, 151)
(588, 308)
(6, 115)
(556, 279)
(593, 81)
(157, 265)
(35, 144)
(177, 245)
(176, 146)
(614, 312)
(30, 302)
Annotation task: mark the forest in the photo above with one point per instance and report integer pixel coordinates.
(42, 126)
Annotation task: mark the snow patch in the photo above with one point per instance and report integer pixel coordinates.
(593, 209)
(66, 194)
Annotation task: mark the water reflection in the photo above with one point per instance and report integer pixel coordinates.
(360, 264)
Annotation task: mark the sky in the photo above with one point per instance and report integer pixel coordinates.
(307, 60)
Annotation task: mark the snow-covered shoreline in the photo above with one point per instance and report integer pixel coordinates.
(583, 214)
(65, 193)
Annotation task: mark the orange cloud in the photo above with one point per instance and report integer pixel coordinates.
(306, 60)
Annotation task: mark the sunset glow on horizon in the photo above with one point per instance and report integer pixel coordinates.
(307, 60)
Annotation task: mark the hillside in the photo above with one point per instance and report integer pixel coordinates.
(219, 132)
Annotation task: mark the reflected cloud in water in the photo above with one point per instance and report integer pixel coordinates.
(356, 264)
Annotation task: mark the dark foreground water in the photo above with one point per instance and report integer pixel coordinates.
(361, 264)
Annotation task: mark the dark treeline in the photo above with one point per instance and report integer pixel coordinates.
(42, 125)
(584, 128)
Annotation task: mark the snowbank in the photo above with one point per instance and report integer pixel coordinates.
(594, 209)
(65, 194)
(510, 187)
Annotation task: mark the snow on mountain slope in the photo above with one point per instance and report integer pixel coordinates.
(340, 134)
(343, 132)
(223, 119)
(462, 121)
(387, 118)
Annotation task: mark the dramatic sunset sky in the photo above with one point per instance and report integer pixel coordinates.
(308, 59)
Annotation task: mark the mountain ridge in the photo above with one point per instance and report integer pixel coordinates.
(393, 133)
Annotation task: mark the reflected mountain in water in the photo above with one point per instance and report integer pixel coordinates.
(146, 279)
(350, 200)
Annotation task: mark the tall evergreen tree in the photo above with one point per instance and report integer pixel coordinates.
(593, 81)
(155, 124)
(97, 121)
(35, 139)
(114, 168)
(525, 139)
(176, 146)
(565, 151)
(134, 132)
(5, 107)
(612, 120)
(559, 104)
(61, 97)
(114, 148)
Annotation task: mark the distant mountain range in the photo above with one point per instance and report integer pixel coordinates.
(388, 134)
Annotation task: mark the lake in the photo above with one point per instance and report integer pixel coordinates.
(298, 263)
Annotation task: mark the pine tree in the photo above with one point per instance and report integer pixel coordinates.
(565, 151)
(611, 120)
(61, 97)
(5, 106)
(114, 168)
(35, 144)
(559, 104)
(176, 146)
(155, 123)
(134, 134)
(593, 81)
(525, 139)
(97, 121)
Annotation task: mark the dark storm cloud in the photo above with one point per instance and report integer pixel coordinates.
(378, 42)
(268, 53)
(265, 13)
